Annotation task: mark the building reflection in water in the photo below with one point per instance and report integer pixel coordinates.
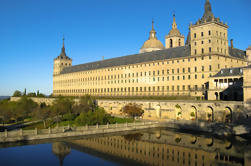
(163, 147)
(61, 150)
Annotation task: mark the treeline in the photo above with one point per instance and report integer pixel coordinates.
(63, 109)
(18, 93)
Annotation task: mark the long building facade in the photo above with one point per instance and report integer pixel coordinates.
(177, 69)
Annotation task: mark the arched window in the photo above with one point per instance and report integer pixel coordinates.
(171, 43)
(179, 43)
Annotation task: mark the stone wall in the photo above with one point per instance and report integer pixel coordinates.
(218, 111)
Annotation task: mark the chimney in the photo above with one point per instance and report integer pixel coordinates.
(232, 45)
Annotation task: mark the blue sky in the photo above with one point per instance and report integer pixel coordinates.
(31, 32)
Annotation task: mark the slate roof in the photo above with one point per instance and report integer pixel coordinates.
(237, 53)
(229, 72)
(178, 52)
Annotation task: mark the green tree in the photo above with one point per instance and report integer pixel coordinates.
(86, 103)
(24, 94)
(17, 93)
(25, 107)
(31, 94)
(132, 110)
(61, 106)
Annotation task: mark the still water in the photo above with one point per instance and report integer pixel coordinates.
(147, 147)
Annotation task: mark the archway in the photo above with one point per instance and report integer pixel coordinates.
(210, 114)
(216, 96)
(193, 113)
(178, 112)
(158, 111)
(228, 115)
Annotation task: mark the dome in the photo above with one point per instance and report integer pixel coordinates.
(153, 43)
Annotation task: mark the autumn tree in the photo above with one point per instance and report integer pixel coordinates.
(132, 110)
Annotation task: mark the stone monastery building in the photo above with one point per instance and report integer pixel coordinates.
(204, 66)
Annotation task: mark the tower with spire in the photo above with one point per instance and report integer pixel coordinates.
(174, 37)
(152, 44)
(208, 35)
(62, 61)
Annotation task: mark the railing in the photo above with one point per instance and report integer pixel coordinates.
(18, 135)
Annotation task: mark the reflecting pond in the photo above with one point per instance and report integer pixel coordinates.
(146, 147)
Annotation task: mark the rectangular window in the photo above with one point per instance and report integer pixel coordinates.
(184, 87)
(209, 33)
(194, 35)
(202, 34)
(202, 68)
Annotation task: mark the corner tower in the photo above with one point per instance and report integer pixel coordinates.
(152, 44)
(61, 62)
(209, 35)
(174, 37)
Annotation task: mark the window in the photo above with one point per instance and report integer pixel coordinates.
(210, 49)
(195, 69)
(195, 51)
(183, 77)
(202, 76)
(202, 42)
(210, 68)
(196, 87)
(195, 43)
(189, 70)
(194, 35)
(209, 33)
(209, 41)
(202, 68)
(202, 50)
(218, 66)
(183, 70)
(202, 34)
(179, 42)
(171, 43)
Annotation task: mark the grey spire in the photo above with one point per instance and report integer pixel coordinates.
(208, 14)
(63, 54)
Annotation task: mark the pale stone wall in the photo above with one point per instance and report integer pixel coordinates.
(215, 36)
(178, 76)
(247, 87)
(177, 41)
(60, 64)
(177, 109)
(181, 110)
